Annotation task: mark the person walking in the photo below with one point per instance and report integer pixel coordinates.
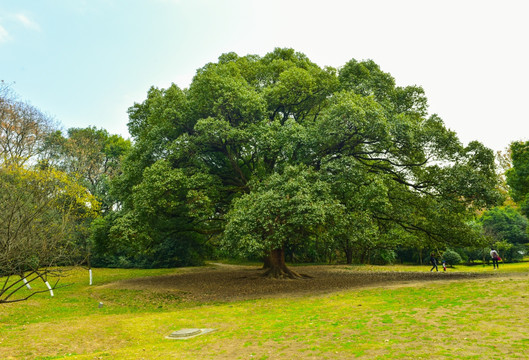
(495, 258)
(433, 260)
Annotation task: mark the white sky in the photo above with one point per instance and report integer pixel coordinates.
(86, 61)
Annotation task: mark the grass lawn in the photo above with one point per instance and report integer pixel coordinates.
(467, 319)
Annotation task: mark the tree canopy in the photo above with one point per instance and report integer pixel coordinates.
(264, 154)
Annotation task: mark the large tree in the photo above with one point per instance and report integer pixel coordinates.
(396, 174)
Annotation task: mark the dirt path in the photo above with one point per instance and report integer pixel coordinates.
(219, 282)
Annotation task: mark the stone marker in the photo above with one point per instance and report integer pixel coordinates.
(187, 333)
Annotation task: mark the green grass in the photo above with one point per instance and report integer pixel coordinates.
(513, 267)
(471, 319)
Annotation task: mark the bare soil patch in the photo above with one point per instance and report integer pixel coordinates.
(224, 283)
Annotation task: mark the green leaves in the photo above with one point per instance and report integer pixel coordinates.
(220, 91)
(506, 224)
(284, 209)
(518, 175)
(164, 109)
(353, 125)
(168, 192)
(165, 207)
(365, 78)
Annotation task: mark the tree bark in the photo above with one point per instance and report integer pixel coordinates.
(266, 262)
(277, 268)
(348, 255)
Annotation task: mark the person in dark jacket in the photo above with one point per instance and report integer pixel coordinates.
(433, 260)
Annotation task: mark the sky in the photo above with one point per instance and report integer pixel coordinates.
(85, 62)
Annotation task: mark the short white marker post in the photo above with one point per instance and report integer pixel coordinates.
(27, 284)
(90, 275)
(49, 287)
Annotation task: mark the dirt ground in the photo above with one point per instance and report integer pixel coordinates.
(223, 283)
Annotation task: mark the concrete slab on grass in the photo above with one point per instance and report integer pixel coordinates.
(183, 334)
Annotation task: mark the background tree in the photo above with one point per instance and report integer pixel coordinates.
(40, 213)
(23, 128)
(93, 158)
(507, 229)
(171, 218)
(504, 161)
(91, 155)
(518, 175)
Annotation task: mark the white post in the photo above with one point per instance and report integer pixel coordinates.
(27, 284)
(90, 274)
(49, 287)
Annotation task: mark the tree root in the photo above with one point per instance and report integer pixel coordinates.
(284, 273)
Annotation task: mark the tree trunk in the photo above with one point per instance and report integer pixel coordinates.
(266, 262)
(364, 257)
(277, 268)
(348, 256)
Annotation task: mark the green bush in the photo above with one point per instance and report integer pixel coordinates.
(383, 257)
(452, 258)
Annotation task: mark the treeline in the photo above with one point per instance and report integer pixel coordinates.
(276, 159)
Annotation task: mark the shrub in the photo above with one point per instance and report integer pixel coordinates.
(451, 257)
(383, 257)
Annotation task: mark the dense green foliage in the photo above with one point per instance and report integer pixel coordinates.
(518, 175)
(452, 257)
(506, 224)
(274, 153)
(91, 155)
